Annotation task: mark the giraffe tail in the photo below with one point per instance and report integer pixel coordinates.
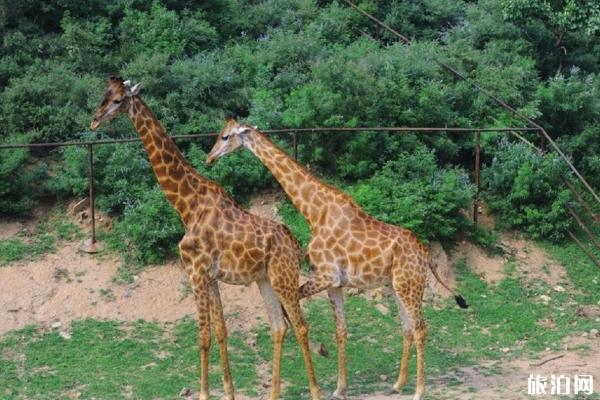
(462, 303)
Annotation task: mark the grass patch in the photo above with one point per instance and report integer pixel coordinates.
(104, 359)
(584, 274)
(13, 249)
(48, 231)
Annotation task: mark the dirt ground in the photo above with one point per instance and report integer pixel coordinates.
(69, 285)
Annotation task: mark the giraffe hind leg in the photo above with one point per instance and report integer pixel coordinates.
(216, 312)
(278, 328)
(407, 342)
(300, 327)
(412, 301)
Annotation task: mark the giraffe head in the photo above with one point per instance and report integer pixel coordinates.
(116, 100)
(232, 137)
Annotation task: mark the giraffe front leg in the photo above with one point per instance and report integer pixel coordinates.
(203, 307)
(341, 334)
(216, 312)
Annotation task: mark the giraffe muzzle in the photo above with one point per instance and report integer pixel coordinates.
(95, 124)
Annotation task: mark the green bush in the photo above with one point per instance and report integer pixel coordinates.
(413, 192)
(240, 173)
(149, 230)
(526, 190)
(122, 175)
(21, 181)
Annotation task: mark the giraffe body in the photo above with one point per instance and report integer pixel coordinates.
(348, 248)
(222, 242)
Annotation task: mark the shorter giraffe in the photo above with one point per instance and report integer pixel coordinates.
(348, 248)
(222, 242)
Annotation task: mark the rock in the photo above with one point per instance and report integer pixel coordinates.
(56, 325)
(382, 309)
(594, 332)
(505, 350)
(383, 378)
(185, 392)
(65, 335)
(559, 288)
(545, 298)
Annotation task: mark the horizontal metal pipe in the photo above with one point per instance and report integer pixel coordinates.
(276, 131)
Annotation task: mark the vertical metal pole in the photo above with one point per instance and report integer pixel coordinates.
(91, 245)
(295, 137)
(477, 176)
(91, 187)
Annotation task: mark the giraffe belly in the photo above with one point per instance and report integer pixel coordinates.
(367, 274)
(363, 281)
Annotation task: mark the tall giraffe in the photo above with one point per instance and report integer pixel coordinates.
(349, 248)
(222, 242)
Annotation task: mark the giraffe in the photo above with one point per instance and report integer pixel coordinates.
(222, 242)
(348, 248)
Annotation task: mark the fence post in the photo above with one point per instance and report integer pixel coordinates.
(477, 177)
(91, 245)
(295, 144)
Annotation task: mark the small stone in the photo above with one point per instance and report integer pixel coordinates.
(382, 309)
(383, 378)
(505, 350)
(559, 288)
(545, 298)
(585, 334)
(185, 392)
(56, 325)
(548, 349)
(594, 332)
(65, 335)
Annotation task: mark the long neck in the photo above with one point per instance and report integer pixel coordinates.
(187, 190)
(308, 194)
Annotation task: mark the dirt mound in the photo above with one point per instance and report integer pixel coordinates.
(69, 285)
(489, 267)
(265, 204)
(532, 262)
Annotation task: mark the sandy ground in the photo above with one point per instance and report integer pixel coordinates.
(68, 285)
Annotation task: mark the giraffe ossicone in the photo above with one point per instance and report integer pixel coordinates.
(348, 248)
(221, 242)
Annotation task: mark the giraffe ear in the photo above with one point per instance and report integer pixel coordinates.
(135, 90)
(243, 130)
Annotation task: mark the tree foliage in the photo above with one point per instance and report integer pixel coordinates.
(289, 63)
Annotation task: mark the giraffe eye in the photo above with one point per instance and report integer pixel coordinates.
(117, 101)
(225, 137)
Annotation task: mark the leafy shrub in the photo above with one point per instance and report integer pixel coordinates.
(149, 230)
(21, 181)
(413, 192)
(122, 175)
(240, 173)
(295, 221)
(526, 190)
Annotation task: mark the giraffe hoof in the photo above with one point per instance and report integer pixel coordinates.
(338, 396)
(392, 391)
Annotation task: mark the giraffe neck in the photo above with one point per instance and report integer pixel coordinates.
(189, 192)
(308, 194)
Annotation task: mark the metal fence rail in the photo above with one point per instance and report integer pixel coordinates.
(91, 245)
